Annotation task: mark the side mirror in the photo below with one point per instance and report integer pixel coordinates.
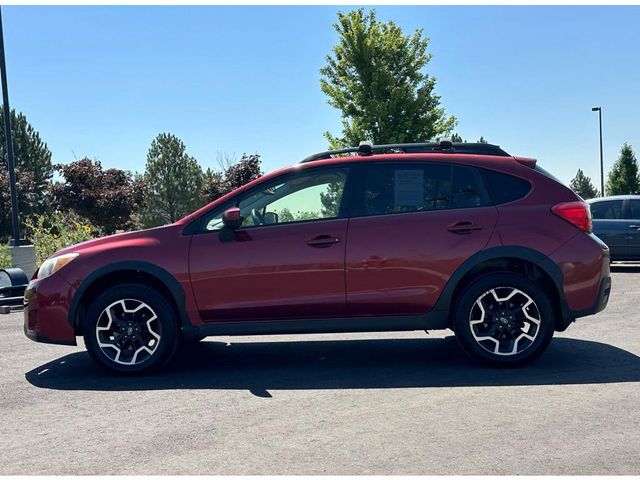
(231, 218)
(270, 218)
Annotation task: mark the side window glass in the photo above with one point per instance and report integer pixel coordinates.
(315, 195)
(611, 210)
(468, 189)
(418, 188)
(505, 188)
(397, 189)
(634, 209)
(214, 223)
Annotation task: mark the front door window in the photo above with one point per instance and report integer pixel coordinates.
(315, 195)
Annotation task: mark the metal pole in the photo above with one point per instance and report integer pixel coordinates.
(601, 161)
(8, 142)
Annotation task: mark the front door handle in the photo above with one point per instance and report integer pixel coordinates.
(463, 227)
(322, 241)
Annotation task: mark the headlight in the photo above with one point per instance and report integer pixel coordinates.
(53, 264)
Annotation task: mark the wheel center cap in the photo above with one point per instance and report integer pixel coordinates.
(504, 320)
(130, 331)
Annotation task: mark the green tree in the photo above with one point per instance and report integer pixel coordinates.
(173, 182)
(286, 215)
(581, 184)
(331, 199)
(107, 198)
(623, 178)
(458, 139)
(375, 78)
(33, 171)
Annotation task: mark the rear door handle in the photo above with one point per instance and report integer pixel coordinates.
(637, 227)
(322, 241)
(463, 227)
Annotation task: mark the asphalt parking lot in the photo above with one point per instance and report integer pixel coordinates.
(398, 403)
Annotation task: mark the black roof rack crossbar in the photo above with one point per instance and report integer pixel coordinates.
(443, 146)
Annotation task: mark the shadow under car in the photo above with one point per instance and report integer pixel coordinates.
(344, 364)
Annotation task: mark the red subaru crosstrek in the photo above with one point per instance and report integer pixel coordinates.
(372, 238)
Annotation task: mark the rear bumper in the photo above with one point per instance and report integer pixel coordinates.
(604, 290)
(586, 285)
(46, 309)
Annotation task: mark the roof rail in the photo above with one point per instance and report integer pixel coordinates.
(443, 146)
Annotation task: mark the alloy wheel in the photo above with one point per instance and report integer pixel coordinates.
(128, 332)
(505, 321)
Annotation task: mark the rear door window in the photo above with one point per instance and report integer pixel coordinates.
(468, 188)
(609, 210)
(401, 188)
(634, 209)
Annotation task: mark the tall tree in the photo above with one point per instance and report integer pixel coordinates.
(107, 198)
(581, 184)
(375, 78)
(174, 182)
(623, 177)
(33, 171)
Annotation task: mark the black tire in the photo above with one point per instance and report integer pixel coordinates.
(502, 321)
(164, 326)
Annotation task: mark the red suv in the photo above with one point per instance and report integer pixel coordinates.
(371, 238)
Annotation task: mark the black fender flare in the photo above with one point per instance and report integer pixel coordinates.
(159, 273)
(444, 305)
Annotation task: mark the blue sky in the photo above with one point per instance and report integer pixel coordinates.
(104, 81)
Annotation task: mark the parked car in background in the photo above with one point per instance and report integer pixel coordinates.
(370, 238)
(616, 221)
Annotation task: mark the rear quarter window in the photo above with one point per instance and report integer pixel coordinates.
(505, 188)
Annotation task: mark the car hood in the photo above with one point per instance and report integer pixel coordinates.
(139, 237)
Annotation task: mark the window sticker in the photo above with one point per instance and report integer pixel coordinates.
(408, 188)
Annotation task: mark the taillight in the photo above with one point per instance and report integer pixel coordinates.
(576, 213)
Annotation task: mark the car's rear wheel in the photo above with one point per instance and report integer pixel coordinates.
(130, 328)
(504, 319)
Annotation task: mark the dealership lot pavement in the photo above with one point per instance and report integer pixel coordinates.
(332, 404)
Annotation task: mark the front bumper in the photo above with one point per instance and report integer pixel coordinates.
(46, 311)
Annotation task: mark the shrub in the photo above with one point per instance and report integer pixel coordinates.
(5, 258)
(56, 231)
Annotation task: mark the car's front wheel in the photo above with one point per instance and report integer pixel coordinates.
(130, 328)
(504, 319)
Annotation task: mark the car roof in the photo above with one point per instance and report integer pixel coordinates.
(443, 146)
(407, 157)
(613, 197)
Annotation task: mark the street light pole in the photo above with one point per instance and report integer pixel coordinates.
(599, 110)
(8, 142)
